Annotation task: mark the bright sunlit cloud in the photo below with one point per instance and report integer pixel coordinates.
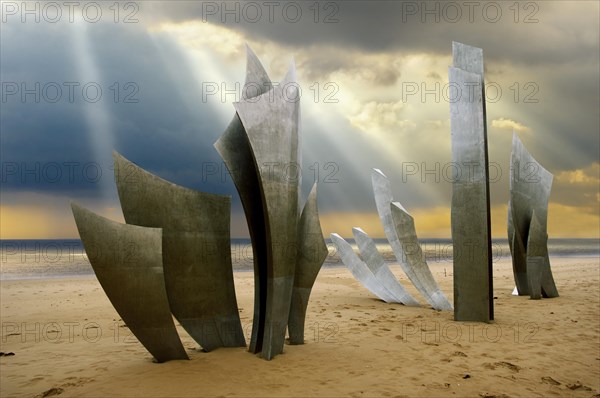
(510, 125)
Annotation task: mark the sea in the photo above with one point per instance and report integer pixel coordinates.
(61, 258)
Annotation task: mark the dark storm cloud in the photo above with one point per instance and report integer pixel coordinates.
(529, 33)
(149, 120)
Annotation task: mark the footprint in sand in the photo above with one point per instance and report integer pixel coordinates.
(502, 364)
(50, 393)
(508, 365)
(550, 380)
(578, 386)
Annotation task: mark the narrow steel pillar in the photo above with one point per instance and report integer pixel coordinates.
(471, 228)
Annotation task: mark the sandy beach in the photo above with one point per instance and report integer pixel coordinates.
(68, 340)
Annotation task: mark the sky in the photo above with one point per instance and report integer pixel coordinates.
(156, 81)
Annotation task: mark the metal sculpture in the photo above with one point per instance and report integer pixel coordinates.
(271, 124)
(261, 150)
(471, 232)
(407, 235)
(196, 251)
(312, 252)
(530, 186)
(234, 148)
(360, 270)
(376, 263)
(127, 260)
(418, 272)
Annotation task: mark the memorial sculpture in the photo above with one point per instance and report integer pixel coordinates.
(376, 263)
(261, 149)
(470, 209)
(530, 186)
(312, 252)
(399, 229)
(184, 234)
(417, 271)
(361, 271)
(173, 255)
(127, 260)
(196, 251)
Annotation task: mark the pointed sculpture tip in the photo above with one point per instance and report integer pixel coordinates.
(358, 230)
(401, 208)
(117, 157)
(516, 141)
(290, 75)
(249, 51)
(378, 172)
(79, 210)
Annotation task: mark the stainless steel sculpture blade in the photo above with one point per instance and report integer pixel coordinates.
(234, 148)
(271, 124)
(196, 251)
(360, 270)
(407, 235)
(421, 278)
(539, 275)
(127, 260)
(530, 186)
(312, 251)
(376, 263)
(473, 296)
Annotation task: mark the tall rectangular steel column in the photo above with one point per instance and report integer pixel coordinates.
(471, 228)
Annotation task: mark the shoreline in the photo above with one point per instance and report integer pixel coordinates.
(334, 263)
(66, 336)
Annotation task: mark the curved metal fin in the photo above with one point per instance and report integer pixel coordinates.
(312, 251)
(234, 148)
(421, 278)
(360, 270)
(271, 124)
(127, 260)
(196, 251)
(405, 229)
(529, 193)
(539, 275)
(376, 263)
